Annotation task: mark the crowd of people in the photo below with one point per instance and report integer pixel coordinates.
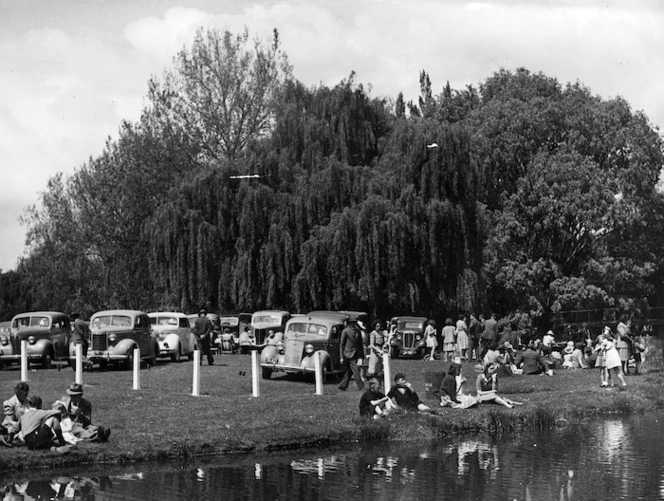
(60, 428)
(477, 340)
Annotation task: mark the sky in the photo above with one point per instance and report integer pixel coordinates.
(72, 70)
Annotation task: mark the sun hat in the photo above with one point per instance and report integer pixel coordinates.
(75, 389)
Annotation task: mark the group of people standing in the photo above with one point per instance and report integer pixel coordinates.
(60, 428)
(468, 338)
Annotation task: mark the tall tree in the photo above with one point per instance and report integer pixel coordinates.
(221, 93)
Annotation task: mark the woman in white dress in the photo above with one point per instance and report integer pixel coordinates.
(611, 360)
(462, 337)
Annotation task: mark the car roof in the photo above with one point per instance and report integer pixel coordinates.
(40, 313)
(177, 314)
(264, 312)
(408, 317)
(348, 315)
(119, 312)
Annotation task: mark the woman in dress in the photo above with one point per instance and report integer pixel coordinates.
(431, 340)
(462, 337)
(377, 342)
(449, 340)
(487, 388)
(613, 366)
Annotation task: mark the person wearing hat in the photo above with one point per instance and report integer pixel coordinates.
(79, 409)
(203, 329)
(351, 349)
(403, 396)
(373, 403)
(547, 342)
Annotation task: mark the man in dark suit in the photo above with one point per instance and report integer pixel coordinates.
(203, 328)
(350, 350)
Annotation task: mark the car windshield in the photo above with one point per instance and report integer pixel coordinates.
(410, 325)
(38, 321)
(112, 321)
(300, 328)
(266, 319)
(165, 321)
(229, 321)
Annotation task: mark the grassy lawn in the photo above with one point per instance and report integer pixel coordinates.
(163, 420)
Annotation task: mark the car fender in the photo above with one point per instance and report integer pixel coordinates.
(269, 352)
(172, 340)
(308, 362)
(123, 346)
(41, 347)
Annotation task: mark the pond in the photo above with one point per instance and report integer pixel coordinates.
(602, 459)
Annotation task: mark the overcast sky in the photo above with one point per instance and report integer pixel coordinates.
(71, 70)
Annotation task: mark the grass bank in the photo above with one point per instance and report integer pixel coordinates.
(163, 421)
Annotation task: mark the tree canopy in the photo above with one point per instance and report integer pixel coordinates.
(515, 194)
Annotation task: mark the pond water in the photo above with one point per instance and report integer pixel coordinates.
(602, 459)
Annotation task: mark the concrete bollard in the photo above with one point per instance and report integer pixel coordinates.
(255, 370)
(387, 375)
(197, 374)
(318, 366)
(24, 361)
(79, 363)
(137, 369)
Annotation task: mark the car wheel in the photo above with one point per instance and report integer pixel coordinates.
(103, 365)
(46, 361)
(176, 357)
(267, 372)
(394, 354)
(129, 363)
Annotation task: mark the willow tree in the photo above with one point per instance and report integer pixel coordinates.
(221, 92)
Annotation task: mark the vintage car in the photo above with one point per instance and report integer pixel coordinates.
(266, 320)
(47, 334)
(304, 335)
(114, 334)
(231, 325)
(174, 335)
(408, 338)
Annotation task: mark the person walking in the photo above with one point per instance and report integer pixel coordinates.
(351, 349)
(431, 339)
(462, 339)
(489, 335)
(81, 335)
(203, 329)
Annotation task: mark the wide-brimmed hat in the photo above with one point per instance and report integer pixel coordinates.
(75, 389)
(550, 333)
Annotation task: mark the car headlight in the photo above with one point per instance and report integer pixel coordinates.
(112, 338)
(398, 336)
(161, 336)
(309, 348)
(281, 347)
(418, 337)
(32, 340)
(4, 341)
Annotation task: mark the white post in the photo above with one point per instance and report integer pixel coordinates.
(24, 361)
(79, 363)
(197, 373)
(387, 375)
(255, 369)
(318, 366)
(137, 369)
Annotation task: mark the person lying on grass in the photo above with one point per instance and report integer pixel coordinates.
(41, 428)
(402, 396)
(373, 403)
(487, 387)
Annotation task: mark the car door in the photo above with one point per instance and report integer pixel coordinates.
(143, 330)
(60, 333)
(333, 344)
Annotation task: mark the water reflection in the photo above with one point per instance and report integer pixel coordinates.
(603, 459)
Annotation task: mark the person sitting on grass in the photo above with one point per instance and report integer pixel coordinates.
(80, 411)
(532, 362)
(373, 403)
(14, 409)
(66, 424)
(487, 388)
(41, 428)
(403, 396)
(448, 387)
